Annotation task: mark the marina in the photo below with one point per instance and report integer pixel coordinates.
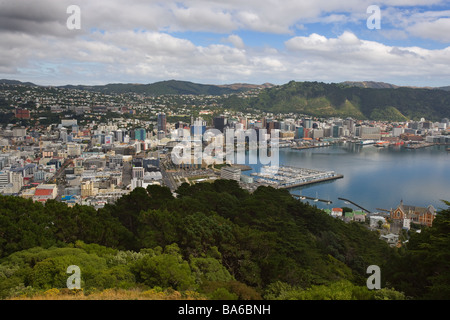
(286, 177)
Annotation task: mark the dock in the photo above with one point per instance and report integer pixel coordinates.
(364, 209)
(311, 198)
(292, 177)
(310, 146)
(419, 145)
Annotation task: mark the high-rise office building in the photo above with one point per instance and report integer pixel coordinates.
(162, 122)
(119, 135)
(140, 134)
(220, 123)
(307, 123)
(198, 128)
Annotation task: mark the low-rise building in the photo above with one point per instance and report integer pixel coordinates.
(337, 212)
(419, 215)
(44, 192)
(230, 173)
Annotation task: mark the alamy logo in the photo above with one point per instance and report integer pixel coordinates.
(233, 146)
(374, 281)
(74, 281)
(374, 20)
(74, 20)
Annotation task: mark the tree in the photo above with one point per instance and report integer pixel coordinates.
(167, 270)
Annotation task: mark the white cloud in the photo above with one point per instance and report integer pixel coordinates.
(347, 57)
(235, 40)
(135, 42)
(437, 30)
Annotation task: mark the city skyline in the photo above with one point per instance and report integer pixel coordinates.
(225, 42)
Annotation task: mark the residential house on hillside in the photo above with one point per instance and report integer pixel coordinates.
(337, 212)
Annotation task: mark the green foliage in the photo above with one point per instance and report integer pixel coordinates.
(429, 253)
(167, 270)
(341, 290)
(326, 100)
(171, 87)
(209, 269)
(223, 294)
(387, 114)
(217, 239)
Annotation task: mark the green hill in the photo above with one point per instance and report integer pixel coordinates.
(347, 100)
(164, 87)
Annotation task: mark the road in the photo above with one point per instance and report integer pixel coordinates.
(168, 180)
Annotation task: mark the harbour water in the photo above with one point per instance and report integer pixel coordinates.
(374, 178)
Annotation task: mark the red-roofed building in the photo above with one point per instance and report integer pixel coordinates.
(45, 192)
(337, 212)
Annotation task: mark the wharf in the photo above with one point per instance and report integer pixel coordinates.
(310, 147)
(242, 167)
(300, 184)
(312, 198)
(419, 145)
(355, 204)
(291, 177)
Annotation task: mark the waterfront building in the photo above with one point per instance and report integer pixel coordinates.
(300, 132)
(370, 133)
(336, 131)
(230, 173)
(317, 133)
(418, 215)
(307, 123)
(337, 212)
(397, 131)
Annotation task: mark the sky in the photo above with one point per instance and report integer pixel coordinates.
(403, 42)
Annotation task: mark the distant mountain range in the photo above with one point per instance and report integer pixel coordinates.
(358, 99)
(159, 88)
(383, 85)
(187, 87)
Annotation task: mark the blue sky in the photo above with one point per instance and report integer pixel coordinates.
(225, 41)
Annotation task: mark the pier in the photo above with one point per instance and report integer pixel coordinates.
(343, 199)
(291, 177)
(311, 198)
(419, 145)
(311, 146)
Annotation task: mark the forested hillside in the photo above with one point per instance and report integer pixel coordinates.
(344, 100)
(213, 241)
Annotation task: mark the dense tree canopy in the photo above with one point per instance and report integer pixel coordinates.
(216, 239)
(329, 100)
